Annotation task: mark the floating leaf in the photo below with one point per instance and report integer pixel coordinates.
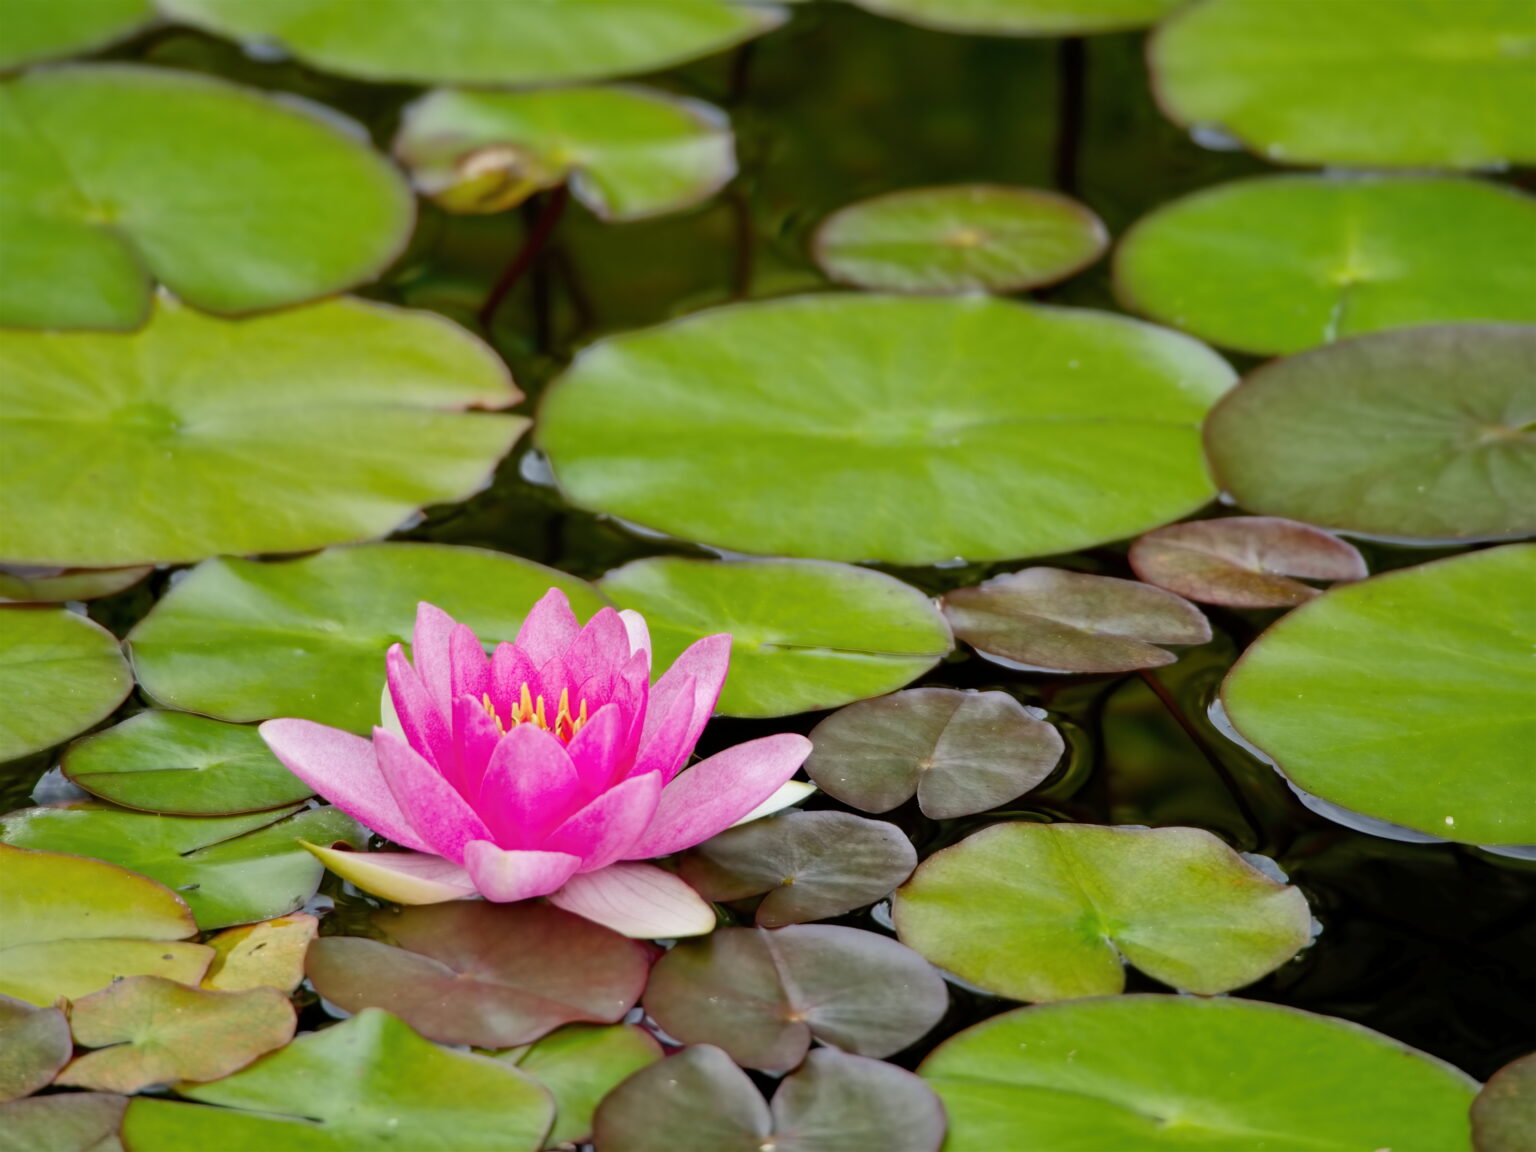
(269, 954)
(552, 42)
(1345, 255)
(174, 762)
(905, 429)
(1025, 17)
(1144, 1073)
(1055, 911)
(1244, 561)
(810, 865)
(74, 925)
(491, 975)
(804, 635)
(369, 1082)
(346, 415)
(73, 1122)
(249, 641)
(119, 176)
(1052, 620)
(59, 674)
(964, 238)
(627, 153)
(229, 869)
(56, 585)
(764, 995)
(1504, 1113)
(1423, 435)
(33, 32)
(1407, 697)
(148, 1030)
(958, 752)
(34, 1045)
(698, 1101)
(580, 1065)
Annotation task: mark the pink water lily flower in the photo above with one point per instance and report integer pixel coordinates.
(546, 769)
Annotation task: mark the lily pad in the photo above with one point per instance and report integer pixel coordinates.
(120, 176)
(242, 640)
(1244, 561)
(177, 763)
(229, 869)
(698, 1101)
(1025, 17)
(369, 1082)
(74, 925)
(805, 865)
(804, 635)
(59, 674)
(1442, 85)
(1406, 697)
(1344, 255)
(965, 238)
(33, 32)
(552, 42)
(346, 415)
(763, 995)
(56, 585)
(905, 429)
(34, 1045)
(491, 975)
(580, 1064)
(148, 1030)
(269, 954)
(72, 1122)
(1055, 911)
(1420, 435)
(627, 152)
(1504, 1113)
(1151, 1073)
(1053, 620)
(958, 752)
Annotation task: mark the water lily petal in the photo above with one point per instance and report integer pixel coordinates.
(475, 736)
(433, 806)
(510, 670)
(601, 750)
(430, 653)
(637, 900)
(703, 663)
(469, 667)
(672, 735)
(637, 630)
(344, 769)
(606, 829)
(424, 724)
(403, 877)
(788, 794)
(603, 644)
(505, 876)
(530, 787)
(715, 793)
(550, 628)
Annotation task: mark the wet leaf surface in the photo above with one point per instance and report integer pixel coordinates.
(34, 1045)
(59, 674)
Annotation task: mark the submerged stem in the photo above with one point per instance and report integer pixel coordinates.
(538, 236)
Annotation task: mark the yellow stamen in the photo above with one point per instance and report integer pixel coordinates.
(490, 710)
(531, 710)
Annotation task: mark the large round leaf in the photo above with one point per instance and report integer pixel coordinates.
(33, 31)
(1054, 911)
(1425, 434)
(1025, 17)
(314, 426)
(242, 640)
(1431, 83)
(580, 1064)
(804, 635)
(34, 1045)
(905, 429)
(1154, 1073)
(1339, 255)
(1407, 697)
(552, 41)
(59, 674)
(118, 176)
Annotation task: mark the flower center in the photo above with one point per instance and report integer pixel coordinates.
(530, 710)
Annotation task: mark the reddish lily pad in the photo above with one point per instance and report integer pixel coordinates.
(958, 752)
(491, 975)
(698, 1101)
(265, 955)
(806, 865)
(1052, 620)
(34, 1045)
(764, 995)
(59, 674)
(56, 585)
(580, 1064)
(73, 1122)
(1504, 1113)
(1245, 561)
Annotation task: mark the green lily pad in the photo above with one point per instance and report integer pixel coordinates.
(966, 238)
(229, 869)
(347, 416)
(1406, 697)
(56, 585)
(59, 674)
(1055, 911)
(1504, 1113)
(1343, 255)
(763, 995)
(185, 765)
(73, 925)
(73, 1122)
(804, 635)
(698, 1101)
(1443, 84)
(242, 640)
(268, 954)
(369, 1082)
(33, 32)
(1419, 435)
(1025, 17)
(552, 42)
(905, 429)
(627, 152)
(148, 1030)
(34, 1045)
(120, 176)
(1152, 1073)
(805, 865)
(580, 1064)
